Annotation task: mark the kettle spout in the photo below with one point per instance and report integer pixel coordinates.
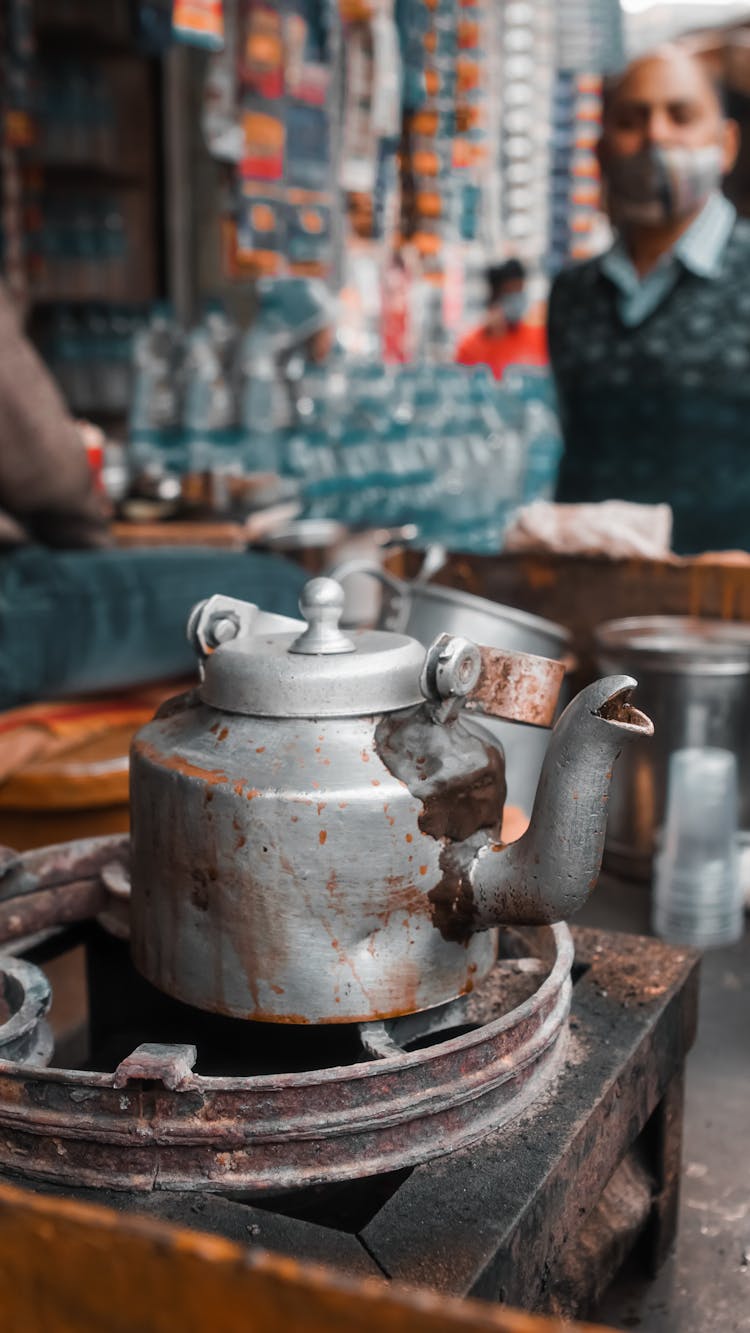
(549, 873)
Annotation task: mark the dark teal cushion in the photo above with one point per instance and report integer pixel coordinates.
(75, 621)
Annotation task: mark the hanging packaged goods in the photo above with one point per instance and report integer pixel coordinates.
(419, 124)
(371, 124)
(284, 187)
(199, 22)
(79, 196)
(576, 220)
(354, 130)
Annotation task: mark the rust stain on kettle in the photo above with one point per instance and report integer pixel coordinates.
(403, 896)
(175, 762)
(453, 900)
(459, 780)
(518, 686)
(457, 776)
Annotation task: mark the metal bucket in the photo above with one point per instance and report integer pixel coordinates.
(425, 610)
(694, 682)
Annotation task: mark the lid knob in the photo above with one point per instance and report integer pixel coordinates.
(322, 603)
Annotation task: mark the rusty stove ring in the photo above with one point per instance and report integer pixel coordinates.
(25, 998)
(155, 1124)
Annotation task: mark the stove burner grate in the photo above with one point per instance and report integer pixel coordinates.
(383, 1096)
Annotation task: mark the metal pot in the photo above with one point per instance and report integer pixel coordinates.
(425, 610)
(695, 683)
(315, 831)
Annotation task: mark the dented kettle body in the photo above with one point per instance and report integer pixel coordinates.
(283, 872)
(316, 832)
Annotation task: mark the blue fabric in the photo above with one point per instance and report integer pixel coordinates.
(82, 621)
(699, 250)
(660, 411)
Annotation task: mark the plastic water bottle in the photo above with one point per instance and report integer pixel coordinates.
(67, 358)
(261, 434)
(123, 327)
(156, 435)
(527, 398)
(113, 247)
(543, 451)
(210, 408)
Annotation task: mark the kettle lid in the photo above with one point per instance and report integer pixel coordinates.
(315, 670)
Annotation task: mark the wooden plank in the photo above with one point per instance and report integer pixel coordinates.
(67, 1267)
(215, 533)
(237, 1221)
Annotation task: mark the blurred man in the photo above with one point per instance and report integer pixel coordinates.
(650, 343)
(46, 490)
(505, 339)
(73, 616)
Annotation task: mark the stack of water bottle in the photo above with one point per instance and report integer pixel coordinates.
(89, 349)
(439, 447)
(77, 114)
(80, 251)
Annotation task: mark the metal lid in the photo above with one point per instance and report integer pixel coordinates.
(683, 644)
(320, 672)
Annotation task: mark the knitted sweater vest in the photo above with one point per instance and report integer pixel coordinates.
(660, 412)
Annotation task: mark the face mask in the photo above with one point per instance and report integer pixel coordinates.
(662, 184)
(514, 307)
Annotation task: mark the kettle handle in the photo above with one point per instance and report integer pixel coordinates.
(398, 603)
(514, 687)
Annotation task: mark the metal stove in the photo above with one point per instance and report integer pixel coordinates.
(514, 1144)
(338, 1062)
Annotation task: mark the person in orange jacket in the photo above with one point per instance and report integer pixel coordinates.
(505, 338)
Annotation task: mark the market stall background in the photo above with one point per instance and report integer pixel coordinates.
(450, 133)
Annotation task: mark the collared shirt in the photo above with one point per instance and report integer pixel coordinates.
(659, 410)
(699, 250)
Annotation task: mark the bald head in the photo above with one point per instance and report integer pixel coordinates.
(673, 62)
(668, 98)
